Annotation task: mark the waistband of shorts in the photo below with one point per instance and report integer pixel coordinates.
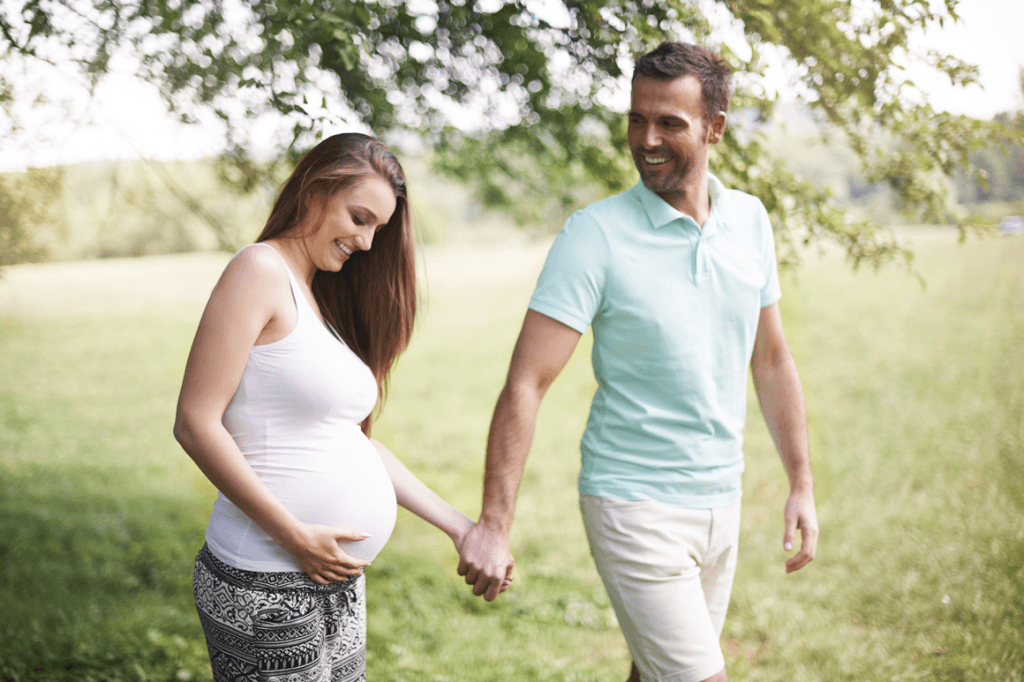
(272, 581)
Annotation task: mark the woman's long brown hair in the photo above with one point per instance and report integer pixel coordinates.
(371, 302)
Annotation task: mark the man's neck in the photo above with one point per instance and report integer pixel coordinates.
(691, 199)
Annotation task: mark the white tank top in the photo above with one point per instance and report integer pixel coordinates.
(295, 417)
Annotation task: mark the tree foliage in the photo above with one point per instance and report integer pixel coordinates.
(519, 97)
(1000, 169)
(28, 214)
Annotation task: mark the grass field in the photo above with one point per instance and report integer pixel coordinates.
(916, 401)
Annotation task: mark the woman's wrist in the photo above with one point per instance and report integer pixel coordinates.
(460, 526)
(291, 534)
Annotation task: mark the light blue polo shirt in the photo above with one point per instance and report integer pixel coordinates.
(675, 310)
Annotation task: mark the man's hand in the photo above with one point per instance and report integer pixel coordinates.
(800, 514)
(486, 562)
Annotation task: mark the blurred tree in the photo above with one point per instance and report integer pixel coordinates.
(994, 181)
(29, 215)
(1014, 120)
(513, 95)
(998, 170)
(29, 211)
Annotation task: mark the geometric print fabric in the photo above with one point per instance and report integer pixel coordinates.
(279, 627)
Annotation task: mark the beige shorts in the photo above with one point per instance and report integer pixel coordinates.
(668, 572)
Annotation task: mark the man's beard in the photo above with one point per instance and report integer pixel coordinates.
(670, 175)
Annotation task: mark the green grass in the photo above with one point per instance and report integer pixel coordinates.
(916, 401)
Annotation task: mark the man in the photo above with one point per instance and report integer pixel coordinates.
(677, 276)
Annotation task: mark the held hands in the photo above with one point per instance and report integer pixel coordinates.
(316, 549)
(800, 514)
(486, 562)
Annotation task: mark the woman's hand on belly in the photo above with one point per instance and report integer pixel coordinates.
(316, 549)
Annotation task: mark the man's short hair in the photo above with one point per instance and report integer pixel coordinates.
(669, 61)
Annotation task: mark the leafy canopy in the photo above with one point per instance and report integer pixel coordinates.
(518, 97)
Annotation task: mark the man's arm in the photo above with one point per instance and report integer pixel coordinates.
(782, 404)
(543, 348)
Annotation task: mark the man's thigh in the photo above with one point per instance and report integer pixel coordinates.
(650, 557)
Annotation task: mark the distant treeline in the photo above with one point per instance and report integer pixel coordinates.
(1002, 170)
(111, 209)
(121, 208)
(136, 208)
(994, 188)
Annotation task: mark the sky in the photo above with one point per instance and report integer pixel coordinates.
(990, 35)
(127, 118)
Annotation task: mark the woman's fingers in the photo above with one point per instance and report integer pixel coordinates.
(337, 576)
(350, 535)
(322, 558)
(333, 574)
(328, 549)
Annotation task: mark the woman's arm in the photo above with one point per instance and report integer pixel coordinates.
(426, 504)
(252, 299)
(421, 500)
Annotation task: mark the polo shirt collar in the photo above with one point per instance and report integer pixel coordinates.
(661, 213)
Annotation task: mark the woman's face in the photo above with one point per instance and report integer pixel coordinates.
(351, 218)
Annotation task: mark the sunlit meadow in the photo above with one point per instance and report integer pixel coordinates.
(916, 402)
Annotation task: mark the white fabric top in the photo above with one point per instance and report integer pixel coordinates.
(295, 416)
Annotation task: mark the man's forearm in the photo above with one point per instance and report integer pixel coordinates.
(486, 559)
(508, 445)
(543, 348)
(782, 404)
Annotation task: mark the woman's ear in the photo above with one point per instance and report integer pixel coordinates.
(312, 211)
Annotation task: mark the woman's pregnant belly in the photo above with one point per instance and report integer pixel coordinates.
(346, 487)
(341, 482)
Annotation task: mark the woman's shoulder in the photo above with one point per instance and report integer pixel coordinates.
(256, 277)
(253, 290)
(257, 265)
(261, 255)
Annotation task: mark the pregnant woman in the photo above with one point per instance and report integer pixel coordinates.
(292, 353)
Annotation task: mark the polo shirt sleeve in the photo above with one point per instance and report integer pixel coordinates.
(771, 291)
(570, 287)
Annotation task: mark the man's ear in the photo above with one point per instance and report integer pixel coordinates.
(717, 128)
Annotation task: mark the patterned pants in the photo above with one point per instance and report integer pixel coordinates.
(281, 627)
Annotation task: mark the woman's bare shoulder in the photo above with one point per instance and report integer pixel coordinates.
(257, 268)
(260, 260)
(254, 284)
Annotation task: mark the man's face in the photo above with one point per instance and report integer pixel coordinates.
(667, 135)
